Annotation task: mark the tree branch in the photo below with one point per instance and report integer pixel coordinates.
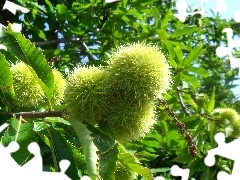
(184, 108)
(34, 114)
(85, 49)
(83, 46)
(188, 135)
(62, 40)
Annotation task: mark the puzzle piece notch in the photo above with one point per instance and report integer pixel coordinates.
(227, 150)
(182, 9)
(7, 162)
(5, 125)
(224, 51)
(223, 176)
(10, 169)
(221, 6)
(177, 171)
(35, 164)
(181, 6)
(13, 8)
(87, 178)
(157, 178)
(236, 16)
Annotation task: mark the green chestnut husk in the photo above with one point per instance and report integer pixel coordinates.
(122, 95)
(59, 87)
(137, 74)
(28, 92)
(226, 114)
(85, 95)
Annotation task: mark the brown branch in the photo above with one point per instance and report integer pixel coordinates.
(188, 135)
(62, 40)
(34, 114)
(83, 46)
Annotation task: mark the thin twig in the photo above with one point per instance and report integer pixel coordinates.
(61, 40)
(34, 114)
(83, 46)
(184, 108)
(85, 49)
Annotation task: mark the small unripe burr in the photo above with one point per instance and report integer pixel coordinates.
(226, 114)
(85, 95)
(28, 92)
(59, 87)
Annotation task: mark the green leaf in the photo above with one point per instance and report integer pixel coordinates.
(179, 44)
(6, 78)
(10, 57)
(40, 82)
(205, 174)
(45, 139)
(162, 170)
(171, 53)
(166, 18)
(198, 70)
(89, 148)
(179, 55)
(108, 161)
(108, 151)
(212, 131)
(144, 2)
(39, 126)
(200, 127)
(177, 80)
(40, 32)
(150, 142)
(56, 119)
(32, 56)
(190, 118)
(162, 33)
(146, 156)
(64, 151)
(79, 159)
(164, 127)
(134, 164)
(103, 141)
(155, 135)
(192, 80)
(189, 100)
(184, 31)
(211, 102)
(185, 158)
(155, 13)
(63, 14)
(61, 9)
(21, 132)
(50, 6)
(193, 55)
